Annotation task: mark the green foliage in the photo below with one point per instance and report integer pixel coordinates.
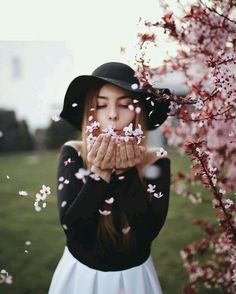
(58, 133)
(16, 135)
(32, 271)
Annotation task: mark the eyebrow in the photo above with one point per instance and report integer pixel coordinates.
(121, 97)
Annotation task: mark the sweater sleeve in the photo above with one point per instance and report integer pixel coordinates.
(80, 192)
(146, 217)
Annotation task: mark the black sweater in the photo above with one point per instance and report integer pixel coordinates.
(79, 203)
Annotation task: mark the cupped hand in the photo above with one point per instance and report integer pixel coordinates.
(102, 153)
(128, 154)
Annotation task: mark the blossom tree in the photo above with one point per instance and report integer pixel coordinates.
(202, 125)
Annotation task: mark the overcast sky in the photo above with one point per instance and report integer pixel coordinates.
(48, 43)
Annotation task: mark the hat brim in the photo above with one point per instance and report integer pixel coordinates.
(78, 88)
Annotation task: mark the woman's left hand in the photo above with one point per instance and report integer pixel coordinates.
(128, 154)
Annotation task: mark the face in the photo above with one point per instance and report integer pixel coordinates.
(112, 107)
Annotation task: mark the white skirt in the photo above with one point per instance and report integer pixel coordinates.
(73, 277)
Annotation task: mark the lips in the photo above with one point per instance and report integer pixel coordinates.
(118, 131)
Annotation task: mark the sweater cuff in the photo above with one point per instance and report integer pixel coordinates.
(127, 173)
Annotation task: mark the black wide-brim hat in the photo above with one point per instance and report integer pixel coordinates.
(123, 76)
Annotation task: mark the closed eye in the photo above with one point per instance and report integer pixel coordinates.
(102, 106)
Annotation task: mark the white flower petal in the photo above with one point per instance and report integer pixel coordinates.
(161, 152)
(60, 186)
(110, 200)
(63, 204)
(104, 212)
(126, 230)
(38, 208)
(152, 172)
(150, 112)
(23, 193)
(134, 86)
(65, 227)
(131, 107)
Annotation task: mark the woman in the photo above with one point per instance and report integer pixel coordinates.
(111, 208)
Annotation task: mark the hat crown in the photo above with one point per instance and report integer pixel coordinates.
(117, 71)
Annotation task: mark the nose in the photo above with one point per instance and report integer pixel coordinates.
(113, 114)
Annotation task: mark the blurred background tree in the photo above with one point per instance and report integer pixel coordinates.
(16, 136)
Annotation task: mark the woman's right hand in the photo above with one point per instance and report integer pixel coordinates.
(102, 153)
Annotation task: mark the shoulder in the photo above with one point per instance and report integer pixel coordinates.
(151, 155)
(74, 144)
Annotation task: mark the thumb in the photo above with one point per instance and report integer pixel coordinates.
(142, 148)
(89, 147)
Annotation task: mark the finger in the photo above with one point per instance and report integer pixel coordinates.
(130, 152)
(102, 148)
(94, 147)
(113, 159)
(110, 150)
(123, 155)
(142, 152)
(118, 159)
(137, 152)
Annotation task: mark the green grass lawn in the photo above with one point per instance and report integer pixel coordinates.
(32, 271)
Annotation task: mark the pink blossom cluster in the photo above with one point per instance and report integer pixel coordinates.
(211, 261)
(82, 173)
(40, 198)
(5, 277)
(63, 182)
(151, 189)
(128, 132)
(203, 125)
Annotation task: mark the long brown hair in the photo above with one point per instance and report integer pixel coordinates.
(106, 232)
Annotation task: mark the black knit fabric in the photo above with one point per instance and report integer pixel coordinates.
(79, 203)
